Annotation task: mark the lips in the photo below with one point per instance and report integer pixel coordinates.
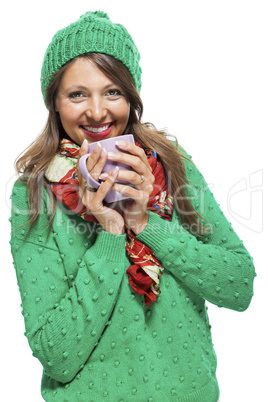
(98, 131)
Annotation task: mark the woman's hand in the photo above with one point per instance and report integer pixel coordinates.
(109, 219)
(134, 210)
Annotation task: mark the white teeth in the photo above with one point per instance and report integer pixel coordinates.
(96, 129)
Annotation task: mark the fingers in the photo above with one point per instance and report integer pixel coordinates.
(140, 190)
(134, 150)
(140, 196)
(134, 161)
(84, 149)
(94, 201)
(96, 161)
(135, 179)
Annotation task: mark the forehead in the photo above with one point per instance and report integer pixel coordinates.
(84, 72)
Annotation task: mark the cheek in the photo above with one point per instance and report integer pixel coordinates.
(123, 111)
(69, 114)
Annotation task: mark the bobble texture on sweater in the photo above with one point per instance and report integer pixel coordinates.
(94, 336)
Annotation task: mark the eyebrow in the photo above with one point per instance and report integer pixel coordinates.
(83, 88)
(76, 88)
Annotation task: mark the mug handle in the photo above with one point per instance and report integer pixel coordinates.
(85, 172)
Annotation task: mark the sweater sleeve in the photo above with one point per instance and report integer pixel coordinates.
(64, 318)
(217, 267)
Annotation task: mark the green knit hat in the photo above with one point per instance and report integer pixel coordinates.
(93, 32)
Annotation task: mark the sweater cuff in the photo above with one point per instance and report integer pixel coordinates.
(110, 246)
(156, 232)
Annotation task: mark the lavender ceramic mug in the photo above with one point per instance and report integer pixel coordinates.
(110, 146)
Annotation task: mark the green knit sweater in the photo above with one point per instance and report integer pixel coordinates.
(94, 336)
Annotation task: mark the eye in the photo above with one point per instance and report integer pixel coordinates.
(114, 92)
(76, 95)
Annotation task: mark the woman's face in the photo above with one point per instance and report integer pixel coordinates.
(90, 105)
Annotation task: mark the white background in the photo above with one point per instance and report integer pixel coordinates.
(205, 70)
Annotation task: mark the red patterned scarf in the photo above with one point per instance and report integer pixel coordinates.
(145, 271)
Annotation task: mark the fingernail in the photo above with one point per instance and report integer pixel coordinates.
(98, 146)
(103, 152)
(115, 171)
(84, 146)
(110, 155)
(121, 143)
(103, 176)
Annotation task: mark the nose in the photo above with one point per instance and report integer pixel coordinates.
(96, 109)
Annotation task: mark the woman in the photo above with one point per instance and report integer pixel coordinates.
(114, 295)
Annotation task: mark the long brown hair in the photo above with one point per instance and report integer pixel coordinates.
(34, 161)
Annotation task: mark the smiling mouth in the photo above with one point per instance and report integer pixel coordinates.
(101, 129)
